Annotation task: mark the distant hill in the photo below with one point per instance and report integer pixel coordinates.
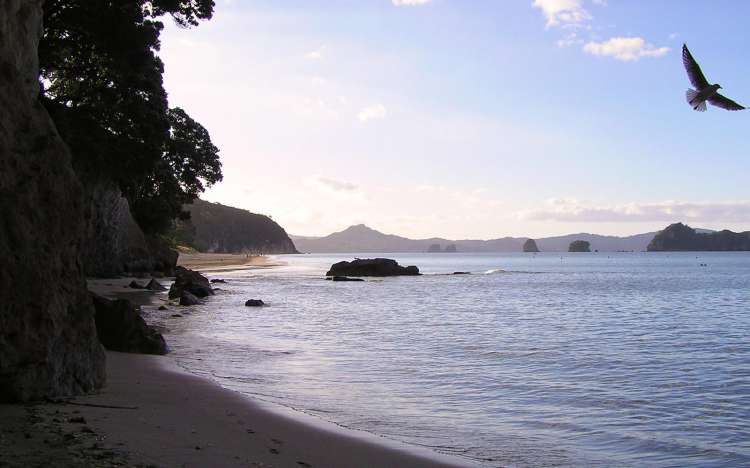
(680, 237)
(214, 227)
(361, 238)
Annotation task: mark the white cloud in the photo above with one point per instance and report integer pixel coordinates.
(376, 111)
(569, 13)
(627, 49)
(572, 210)
(334, 185)
(410, 2)
(315, 54)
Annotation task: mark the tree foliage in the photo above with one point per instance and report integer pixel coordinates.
(103, 85)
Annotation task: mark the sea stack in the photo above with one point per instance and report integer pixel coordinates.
(579, 246)
(530, 246)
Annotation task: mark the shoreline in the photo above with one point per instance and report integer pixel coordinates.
(183, 419)
(215, 262)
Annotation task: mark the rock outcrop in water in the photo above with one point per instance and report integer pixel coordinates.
(371, 267)
(579, 246)
(530, 246)
(48, 341)
(680, 237)
(189, 281)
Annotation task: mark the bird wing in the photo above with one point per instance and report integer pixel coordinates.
(693, 70)
(724, 102)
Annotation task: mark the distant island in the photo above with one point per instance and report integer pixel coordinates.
(437, 248)
(680, 237)
(579, 246)
(530, 246)
(363, 239)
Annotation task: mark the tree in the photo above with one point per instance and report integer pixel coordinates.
(103, 87)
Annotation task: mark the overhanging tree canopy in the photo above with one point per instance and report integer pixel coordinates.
(103, 87)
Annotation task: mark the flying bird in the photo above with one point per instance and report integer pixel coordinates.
(704, 91)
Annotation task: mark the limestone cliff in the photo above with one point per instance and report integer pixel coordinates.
(48, 342)
(114, 243)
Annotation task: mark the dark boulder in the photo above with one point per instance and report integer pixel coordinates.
(188, 299)
(154, 285)
(461, 273)
(189, 281)
(217, 280)
(136, 285)
(254, 303)
(162, 307)
(120, 327)
(371, 267)
(163, 256)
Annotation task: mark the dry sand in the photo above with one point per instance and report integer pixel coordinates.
(223, 262)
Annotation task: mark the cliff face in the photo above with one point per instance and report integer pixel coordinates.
(48, 342)
(680, 237)
(114, 243)
(217, 228)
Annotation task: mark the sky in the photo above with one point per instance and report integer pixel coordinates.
(470, 119)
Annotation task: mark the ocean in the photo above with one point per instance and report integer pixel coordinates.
(549, 359)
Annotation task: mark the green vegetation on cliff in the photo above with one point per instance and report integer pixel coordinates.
(680, 237)
(213, 227)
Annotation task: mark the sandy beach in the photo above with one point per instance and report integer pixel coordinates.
(151, 413)
(222, 262)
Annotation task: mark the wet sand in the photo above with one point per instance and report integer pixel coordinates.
(151, 413)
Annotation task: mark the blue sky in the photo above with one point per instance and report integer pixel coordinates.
(470, 119)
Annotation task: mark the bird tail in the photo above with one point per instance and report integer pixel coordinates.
(690, 94)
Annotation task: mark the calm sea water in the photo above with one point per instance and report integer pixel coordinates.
(627, 359)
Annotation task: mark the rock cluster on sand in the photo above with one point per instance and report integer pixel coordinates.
(191, 282)
(48, 344)
(371, 267)
(121, 328)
